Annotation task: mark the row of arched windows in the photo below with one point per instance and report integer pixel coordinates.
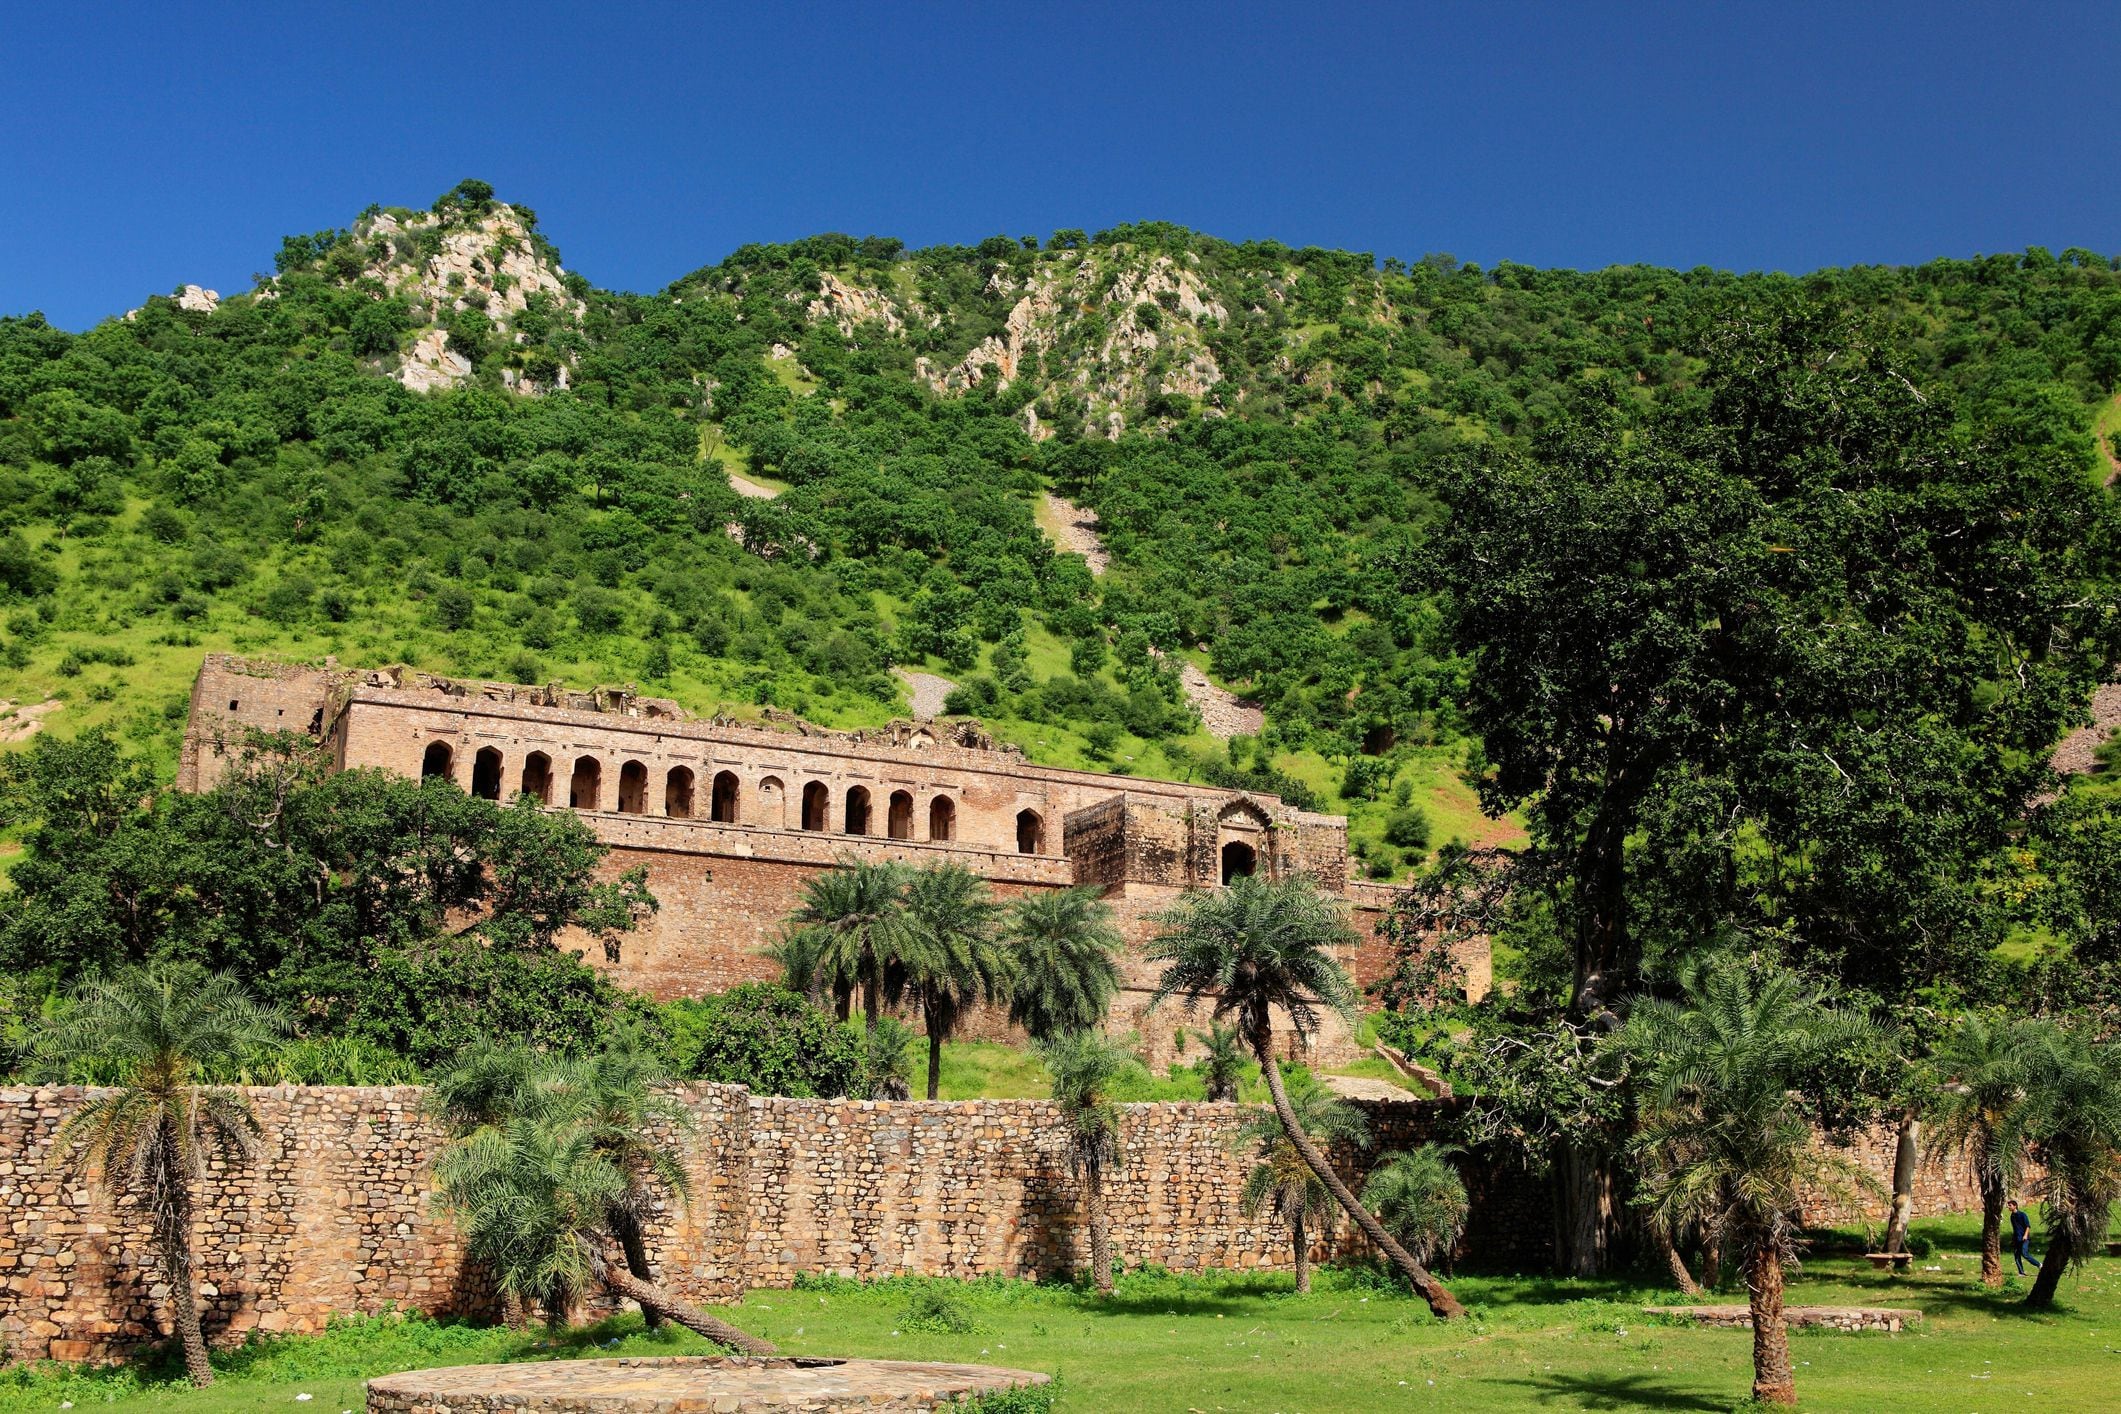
(727, 801)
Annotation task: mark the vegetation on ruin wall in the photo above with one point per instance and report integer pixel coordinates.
(250, 478)
(1247, 1342)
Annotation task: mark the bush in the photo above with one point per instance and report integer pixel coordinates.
(766, 1037)
(934, 1311)
(1408, 827)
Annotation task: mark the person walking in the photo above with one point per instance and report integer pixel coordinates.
(2021, 1238)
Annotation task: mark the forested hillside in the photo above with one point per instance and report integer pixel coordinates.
(422, 440)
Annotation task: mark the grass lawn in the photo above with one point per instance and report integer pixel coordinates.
(989, 1070)
(1237, 1342)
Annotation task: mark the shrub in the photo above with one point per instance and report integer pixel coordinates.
(764, 1036)
(1408, 827)
(935, 1311)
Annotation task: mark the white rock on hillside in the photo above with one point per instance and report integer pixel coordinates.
(201, 301)
(431, 364)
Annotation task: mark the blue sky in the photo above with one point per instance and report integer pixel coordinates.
(142, 146)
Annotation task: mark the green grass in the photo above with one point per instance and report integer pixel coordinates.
(1236, 1341)
(988, 1070)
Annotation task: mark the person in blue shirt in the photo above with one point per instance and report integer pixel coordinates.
(2021, 1238)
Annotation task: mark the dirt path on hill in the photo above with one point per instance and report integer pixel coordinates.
(1222, 711)
(1074, 531)
(2077, 753)
(928, 691)
(745, 486)
(2105, 443)
(19, 723)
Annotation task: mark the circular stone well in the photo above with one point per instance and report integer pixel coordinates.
(693, 1384)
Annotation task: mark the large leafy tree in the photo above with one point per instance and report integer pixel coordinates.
(1264, 946)
(1281, 1183)
(1815, 609)
(1726, 1140)
(158, 1036)
(947, 950)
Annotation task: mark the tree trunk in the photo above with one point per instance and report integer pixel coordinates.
(1661, 1238)
(1712, 1260)
(1432, 1291)
(1904, 1159)
(1774, 1381)
(174, 1238)
(1100, 1231)
(515, 1314)
(628, 1228)
(649, 1296)
(1991, 1228)
(1302, 1241)
(1583, 1193)
(2052, 1263)
(935, 1056)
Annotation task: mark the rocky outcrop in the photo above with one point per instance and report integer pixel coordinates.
(431, 364)
(199, 301)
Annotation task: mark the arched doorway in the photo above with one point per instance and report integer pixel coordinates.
(486, 773)
(633, 788)
(1030, 833)
(436, 761)
(773, 804)
(537, 777)
(721, 805)
(817, 806)
(858, 810)
(677, 793)
(1240, 861)
(942, 818)
(585, 790)
(899, 820)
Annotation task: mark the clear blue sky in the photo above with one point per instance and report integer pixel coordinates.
(142, 146)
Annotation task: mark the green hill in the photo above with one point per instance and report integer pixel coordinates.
(423, 441)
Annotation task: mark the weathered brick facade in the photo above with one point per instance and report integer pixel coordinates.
(731, 818)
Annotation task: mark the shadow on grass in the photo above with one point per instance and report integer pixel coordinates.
(1636, 1391)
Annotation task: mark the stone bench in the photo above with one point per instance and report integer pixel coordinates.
(721, 1384)
(1890, 1261)
(1836, 1318)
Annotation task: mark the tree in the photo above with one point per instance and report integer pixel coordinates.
(534, 1198)
(1281, 1181)
(1259, 946)
(1084, 1065)
(944, 944)
(1063, 961)
(837, 942)
(616, 1095)
(1222, 1063)
(1420, 1199)
(1984, 1066)
(157, 1035)
(764, 1036)
(1724, 1138)
(2072, 1121)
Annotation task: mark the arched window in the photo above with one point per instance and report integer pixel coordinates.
(817, 805)
(942, 818)
(436, 761)
(899, 821)
(584, 792)
(677, 793)
(1239, 861)
(773, 806)
(1030, 833)
(721, 806)
(633, 788)
(486, 773)
(537, 777)
(858, 810)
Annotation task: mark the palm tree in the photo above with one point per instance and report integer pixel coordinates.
(1420, 1199)
(613, 1095)
(1282, 1181)
(1064, 961)
(2073, 1122)
(1723, 1137)
(1979, 1112)
(1222, 1063)
(887, 1060)
(534, 1198)
(491, 1084)
(1256, 946)
(836, 942)
(1084, 1065)
(158, 1033)
(944, 945)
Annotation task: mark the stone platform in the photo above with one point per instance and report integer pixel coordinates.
(678, 1384)
(1838, 1318)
